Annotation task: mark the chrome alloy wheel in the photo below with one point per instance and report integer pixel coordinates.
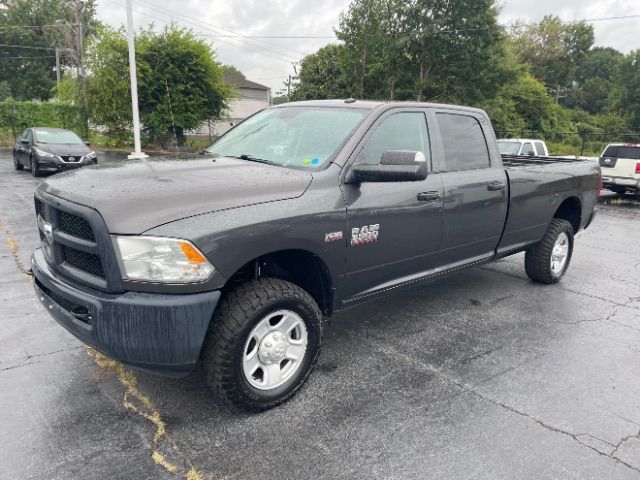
(275, 350)
(559, 253)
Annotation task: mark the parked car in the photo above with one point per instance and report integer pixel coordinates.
(620, 164)
(51, 150)
(234, 258)
(523, 146)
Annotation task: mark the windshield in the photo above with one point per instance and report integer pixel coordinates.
(509, 148)
(57, 136)
(290, 136)
(622, 151)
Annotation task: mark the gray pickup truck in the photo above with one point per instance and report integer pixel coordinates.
(233, 258)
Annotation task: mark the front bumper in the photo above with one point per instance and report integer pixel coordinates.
(52, 164)
(159, 333)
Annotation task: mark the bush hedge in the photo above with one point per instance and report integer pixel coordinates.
(15, 116)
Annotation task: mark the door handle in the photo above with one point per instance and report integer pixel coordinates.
(494, 186)
(428, 196)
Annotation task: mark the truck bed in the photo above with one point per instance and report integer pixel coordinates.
(537, 185)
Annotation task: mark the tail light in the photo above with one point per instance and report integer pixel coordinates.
(637, 168)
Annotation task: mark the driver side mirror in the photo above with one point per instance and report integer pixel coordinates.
(24, 142)
(394, 166)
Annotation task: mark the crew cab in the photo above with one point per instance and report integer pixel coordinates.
(235, 257)
(523, 146)
(620, 164)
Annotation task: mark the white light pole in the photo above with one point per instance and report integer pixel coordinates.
(138, 153)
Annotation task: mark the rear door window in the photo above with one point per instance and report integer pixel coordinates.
(465, 147)
(540, 149)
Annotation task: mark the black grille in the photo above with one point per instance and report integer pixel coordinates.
(87, 262)
(67, 158)
(76, 226)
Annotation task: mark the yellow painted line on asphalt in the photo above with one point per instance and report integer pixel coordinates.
(13, 248)
(142, 405)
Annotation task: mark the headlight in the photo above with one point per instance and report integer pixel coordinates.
(90, 156)
(42, 153)
(159, 259)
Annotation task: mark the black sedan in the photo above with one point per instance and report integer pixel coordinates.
(51, 150)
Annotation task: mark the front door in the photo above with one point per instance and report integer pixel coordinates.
(394, 228)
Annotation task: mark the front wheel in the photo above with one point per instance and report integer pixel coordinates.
(35, 170)
(548, 260)
(263, 344)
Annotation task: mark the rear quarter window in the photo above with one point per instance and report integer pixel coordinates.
(465, 147)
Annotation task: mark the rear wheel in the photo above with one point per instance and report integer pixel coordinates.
(263, 344)
(549, 259)
(16, 163)
(618, 190)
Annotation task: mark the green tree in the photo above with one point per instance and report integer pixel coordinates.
(554, 50)
(34, 29)
(322, 75)
(179, 83)
(625, 94)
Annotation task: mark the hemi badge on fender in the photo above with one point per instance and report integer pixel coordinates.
(332, 237)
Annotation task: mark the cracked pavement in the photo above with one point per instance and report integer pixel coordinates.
(483, 375)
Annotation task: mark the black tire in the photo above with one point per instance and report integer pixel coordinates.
(618, 190)
(236, 316)
(17, 165)
(537, 260)
(35, 170)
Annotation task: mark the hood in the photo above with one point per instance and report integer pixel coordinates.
(134, 196)
(64, 149)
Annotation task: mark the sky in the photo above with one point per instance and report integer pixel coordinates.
(268, 61)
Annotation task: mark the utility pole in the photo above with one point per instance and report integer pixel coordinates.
(289, 89)
(138, 153)
(58, 67)
(80, 65)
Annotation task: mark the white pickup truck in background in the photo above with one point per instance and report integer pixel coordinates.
(523, 146)
(620, 164)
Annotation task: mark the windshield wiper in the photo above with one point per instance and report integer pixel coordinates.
(251, 158)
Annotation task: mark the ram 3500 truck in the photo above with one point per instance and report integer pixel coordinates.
(234, 257)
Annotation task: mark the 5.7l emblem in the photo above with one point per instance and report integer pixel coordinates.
(366, 234)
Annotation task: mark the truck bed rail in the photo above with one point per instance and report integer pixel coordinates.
(529, 160)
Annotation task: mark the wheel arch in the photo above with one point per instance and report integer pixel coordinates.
(570, 210)
(300, 267)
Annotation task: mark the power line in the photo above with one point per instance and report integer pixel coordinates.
(26, 46)
(213, 27)
(200, 24)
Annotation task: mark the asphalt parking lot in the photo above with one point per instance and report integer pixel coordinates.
(484, 375)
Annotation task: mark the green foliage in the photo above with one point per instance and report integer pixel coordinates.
(554, 49)
(415, 49)
(544, 80)
(16, 115)
(179, 83)
(30, 72)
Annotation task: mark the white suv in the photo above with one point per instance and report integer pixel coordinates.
(620, 163)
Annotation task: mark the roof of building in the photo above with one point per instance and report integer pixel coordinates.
(239, 81)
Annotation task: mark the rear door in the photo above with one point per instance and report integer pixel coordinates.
(394, 228)
(475, 186)
(620, 161)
